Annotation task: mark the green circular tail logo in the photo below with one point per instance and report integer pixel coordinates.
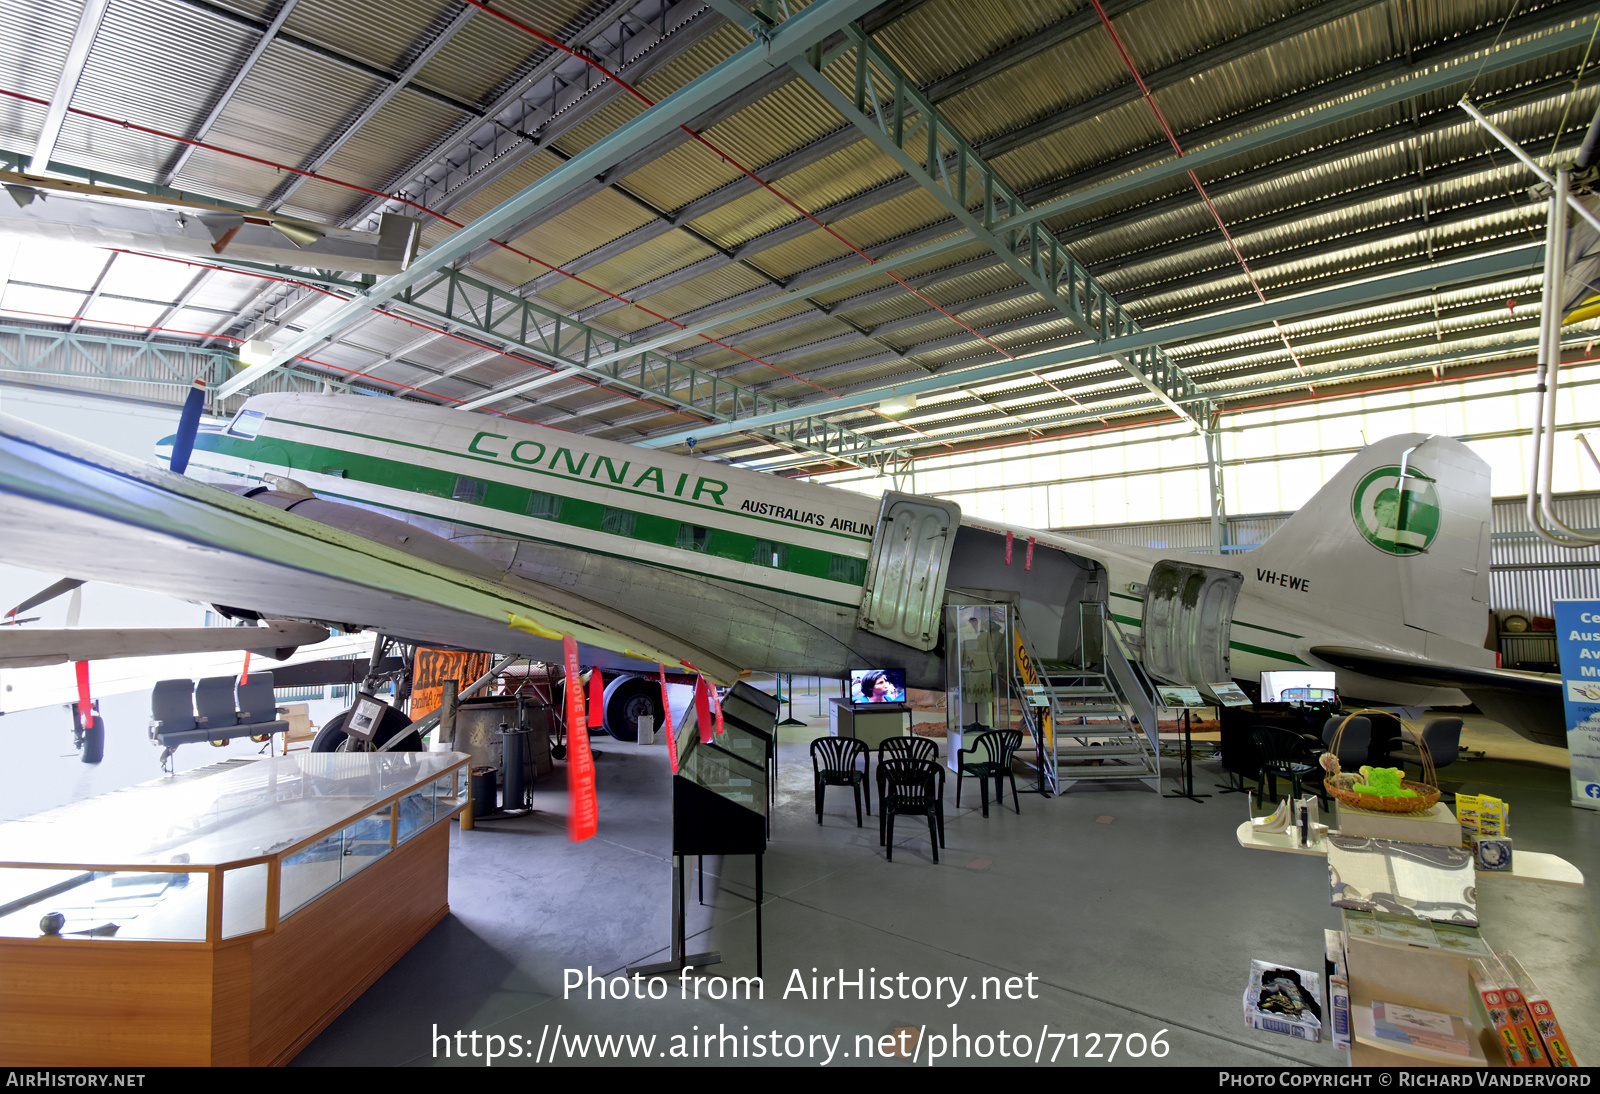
(1399, 523)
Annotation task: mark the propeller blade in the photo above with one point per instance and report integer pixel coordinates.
(65, 585)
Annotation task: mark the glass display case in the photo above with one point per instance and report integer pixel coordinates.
(732, 766)
(238, 859)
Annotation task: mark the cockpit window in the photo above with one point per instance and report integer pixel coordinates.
(246, 423)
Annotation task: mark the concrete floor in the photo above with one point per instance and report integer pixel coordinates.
(1134, 914)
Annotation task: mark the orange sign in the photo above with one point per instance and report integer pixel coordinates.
(432, 668)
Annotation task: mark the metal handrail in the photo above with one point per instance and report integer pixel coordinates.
(1130, 684)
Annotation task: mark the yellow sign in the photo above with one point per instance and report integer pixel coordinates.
(1030, 677)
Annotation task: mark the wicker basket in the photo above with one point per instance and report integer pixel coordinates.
(1427, 790)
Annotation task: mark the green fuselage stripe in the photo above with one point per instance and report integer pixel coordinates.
(578, 513)
(531, 469)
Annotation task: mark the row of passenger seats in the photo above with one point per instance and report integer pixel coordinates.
(216, 709)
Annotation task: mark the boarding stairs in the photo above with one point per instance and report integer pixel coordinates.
(1101, 714)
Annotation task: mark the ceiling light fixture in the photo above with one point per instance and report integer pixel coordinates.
(257, 351)
(898, 404)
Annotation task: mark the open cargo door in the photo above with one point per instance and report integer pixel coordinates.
(1188, 613)
(907, 569)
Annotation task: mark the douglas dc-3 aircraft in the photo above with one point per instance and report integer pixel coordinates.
(459, 529)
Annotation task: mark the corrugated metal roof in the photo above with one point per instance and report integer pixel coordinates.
(1396, 188)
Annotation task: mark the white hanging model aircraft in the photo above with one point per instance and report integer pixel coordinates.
(457, 529)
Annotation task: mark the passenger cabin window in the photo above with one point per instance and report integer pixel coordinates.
(618, 522)
(547, 506)
(692, 537)
(246, 423)
(471, 491)
(767, 553)
(844, 568)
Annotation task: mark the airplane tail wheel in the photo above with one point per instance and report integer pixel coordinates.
(331, 737)
(94, 741)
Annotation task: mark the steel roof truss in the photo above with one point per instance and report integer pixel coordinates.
(908, 128)
(500, 315)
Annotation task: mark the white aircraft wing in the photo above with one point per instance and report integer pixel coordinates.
(67, 506)
(1529, 702)
(22, 647)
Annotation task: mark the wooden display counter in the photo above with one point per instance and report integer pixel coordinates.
(223, 919)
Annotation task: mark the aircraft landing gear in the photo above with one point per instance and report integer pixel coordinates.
(331, 737)
(91, 742)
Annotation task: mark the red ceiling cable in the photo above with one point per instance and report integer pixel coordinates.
(124, 124)
(354, 374)
(1172, 139)
(589, 60)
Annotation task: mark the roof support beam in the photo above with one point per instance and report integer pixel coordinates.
(181, 157)
(1399, 91)
(65, 356)
(1357, 93)
(788, 40)
(578, 351)
(67, 83)
(1505, 263)
(912, 132)
(422, 53)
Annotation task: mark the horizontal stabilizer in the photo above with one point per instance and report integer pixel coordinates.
(1527, 702)
(22, 647)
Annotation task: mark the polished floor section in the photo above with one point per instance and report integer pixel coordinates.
(1134, 915)
(1129, 917)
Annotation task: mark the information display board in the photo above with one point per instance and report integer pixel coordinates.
(1578, 646)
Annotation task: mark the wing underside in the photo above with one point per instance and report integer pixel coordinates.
(70, 507)
(1528, 702)
(31, 647)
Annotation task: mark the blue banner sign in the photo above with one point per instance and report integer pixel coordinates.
(1578, 645)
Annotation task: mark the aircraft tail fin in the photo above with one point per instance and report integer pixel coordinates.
(1400, 536)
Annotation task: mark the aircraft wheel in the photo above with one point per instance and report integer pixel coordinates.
(331, 737)
(94, 741)
(630, 700)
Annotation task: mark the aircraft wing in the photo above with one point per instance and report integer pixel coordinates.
(1528, 702)
(22, 647)
(71, 507)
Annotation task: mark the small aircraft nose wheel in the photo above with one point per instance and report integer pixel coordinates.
(558, 751)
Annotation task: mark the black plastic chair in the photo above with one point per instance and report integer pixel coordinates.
(833, 763)
(910, 788)
(907, 748)
(993, 750)
(1288, 754)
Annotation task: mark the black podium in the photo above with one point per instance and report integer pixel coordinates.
(720, 801)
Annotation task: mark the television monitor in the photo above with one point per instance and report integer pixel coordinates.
(1301, 687)
(877, 685)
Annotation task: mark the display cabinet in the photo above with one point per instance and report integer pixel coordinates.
(720, 806)
(220, 917)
